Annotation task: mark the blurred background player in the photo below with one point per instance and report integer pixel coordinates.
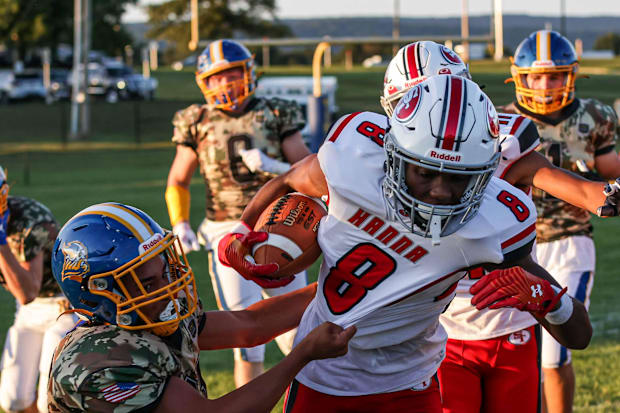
(493, 351)
(139, 348)
(27, 233)
(216, 137)
(578, 135)
(400, 204)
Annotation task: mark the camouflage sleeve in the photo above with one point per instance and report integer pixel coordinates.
(605, 133)
(184, 123)
(290, 117)
(106, 370)
(40, 236)
(118, 389)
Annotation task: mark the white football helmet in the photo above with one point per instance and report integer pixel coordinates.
(415, 62)
(446, 124)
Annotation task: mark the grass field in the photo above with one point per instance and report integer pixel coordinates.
(111, 166)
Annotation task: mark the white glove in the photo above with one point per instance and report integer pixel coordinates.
(256, 160)
(188, 239)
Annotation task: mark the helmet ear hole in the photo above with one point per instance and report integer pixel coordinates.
(88, 303)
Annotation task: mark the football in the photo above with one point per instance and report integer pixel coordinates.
(293, 224)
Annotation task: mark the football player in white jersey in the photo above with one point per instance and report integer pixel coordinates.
(490, 353)
(412, 202)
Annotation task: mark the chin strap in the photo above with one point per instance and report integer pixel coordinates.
(435, 229)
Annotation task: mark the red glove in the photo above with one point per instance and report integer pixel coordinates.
(234, 251)
(515, 287)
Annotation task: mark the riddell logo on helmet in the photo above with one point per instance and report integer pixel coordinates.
(150, 243)
(543, 63)
(445, 156)
(413, 82)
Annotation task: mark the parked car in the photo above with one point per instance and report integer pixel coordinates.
(6, 80)
(27, 85)
(130, 84)
(115, 81)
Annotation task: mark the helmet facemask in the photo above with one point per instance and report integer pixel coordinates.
(544, 101)
(231, 95)
(430, 220)
(142, 307)
(549, 54)
(446, 125)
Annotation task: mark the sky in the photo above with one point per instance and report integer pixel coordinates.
(419, 8)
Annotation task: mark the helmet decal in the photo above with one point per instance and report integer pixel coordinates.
(75, 263)
(450, 56)
(411, 61)
(150, 243)
(408, 105)
(543, 46)
(454, 106)
(414, 63)
(492, 120)
(132, 221)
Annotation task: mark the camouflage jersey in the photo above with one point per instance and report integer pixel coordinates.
(587, 129)
(105, 368)
(31, 229)
(217, 137)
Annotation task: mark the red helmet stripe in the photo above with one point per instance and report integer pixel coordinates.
(411, 65)
(455, 109)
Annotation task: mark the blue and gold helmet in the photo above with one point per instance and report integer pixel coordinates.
(544, 52)
(219, 56)
(96, 261)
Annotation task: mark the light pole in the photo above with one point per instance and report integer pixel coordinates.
(396, 26)
(81, 45)
(499, 31)
(563, 17)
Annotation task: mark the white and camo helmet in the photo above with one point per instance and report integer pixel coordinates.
(414, 63)
(446, 124)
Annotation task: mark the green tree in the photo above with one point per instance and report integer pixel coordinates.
(217, 19)
(28, 24)
(108, 34)
(609, 41)
(34, 23)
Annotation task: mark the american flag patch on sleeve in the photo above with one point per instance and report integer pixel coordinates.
(118, 392)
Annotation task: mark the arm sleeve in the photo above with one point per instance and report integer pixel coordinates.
(185, 123)
(605, 132)
(291, 118)
(130, 388)
(37, 238)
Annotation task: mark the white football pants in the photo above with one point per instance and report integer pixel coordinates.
(28, 351)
